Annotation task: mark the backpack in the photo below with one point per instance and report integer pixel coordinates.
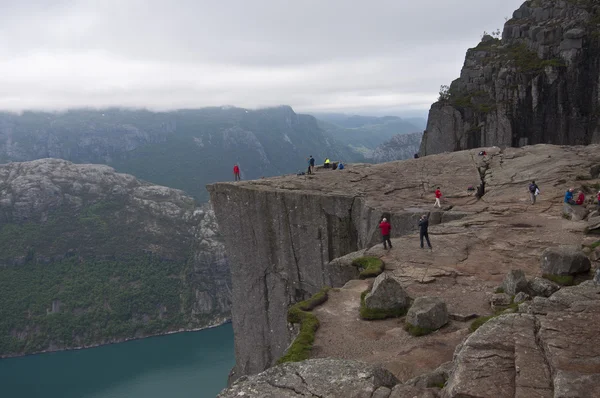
(532, 188)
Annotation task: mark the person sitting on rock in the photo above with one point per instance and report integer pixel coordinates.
(423, 233)
(580, 198)
(569, 197)
(326, 164)
(534, 191)
(385, 227)
(341, 166)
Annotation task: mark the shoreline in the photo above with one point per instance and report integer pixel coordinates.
(118, 341)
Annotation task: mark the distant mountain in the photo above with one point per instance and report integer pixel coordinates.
(364, 133)
(184, 149)
(400, 147)
(89, 256)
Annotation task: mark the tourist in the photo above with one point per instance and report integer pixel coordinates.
(341, 166)
(598, 198)
(534, 191)
(385, 227)
(569, 196)
(416, 156)
(236, 173)
(438, 196)
(423, 233)
(326, 164)
(311, 164)
(580, 198)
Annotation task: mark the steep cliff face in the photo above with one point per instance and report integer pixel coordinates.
(90, 256)
(538, 84)
(281, 233)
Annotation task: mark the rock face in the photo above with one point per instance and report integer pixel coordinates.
(313, 378)
(564, 260)
(538, 84)
(551, 351)
(282, 233)
(574, 212)
(146, 257)
(428, 313)
(514, 282)
(542, 287)
(401, 146)
(387, 294)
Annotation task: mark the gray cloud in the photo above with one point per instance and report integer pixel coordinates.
(316, 55)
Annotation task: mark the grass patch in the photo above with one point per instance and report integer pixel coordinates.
(594, 245)
(372, 314)
(370, 266)
(499, 289)
(567, 280)
(416, 331)
(309, 323)
(476, 324)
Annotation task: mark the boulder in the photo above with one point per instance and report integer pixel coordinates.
(435, 378)
(597, 277)
(499, 301)
(382, 392)
(593, 224)
(313, 377)
(404, 391)
(514, 282)
(428, 313)
(564, 260)
(387, 294)
(542, 287)
(521, 297)
(341, 269)
(574, 212)
(593, 213)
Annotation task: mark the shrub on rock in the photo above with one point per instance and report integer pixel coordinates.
(564, 261)
(426, 315)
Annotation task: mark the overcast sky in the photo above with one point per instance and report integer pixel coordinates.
(354, 56)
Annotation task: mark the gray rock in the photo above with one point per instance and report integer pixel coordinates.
(597, 277)
(514, 282)
(428, 313)
(499, 301)
(387, 293)
(593, 224)
(435, 378)
(564, 260)
(521, 297)
(593, 214)
(542, 287)
(341, 269)
(314, 377)
(404, 391)
(574, 212)
(382, 392)
(576, 33)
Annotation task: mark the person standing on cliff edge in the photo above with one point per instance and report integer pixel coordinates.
(385, 227)
(236, 173)
(423, 233)
(438, 196)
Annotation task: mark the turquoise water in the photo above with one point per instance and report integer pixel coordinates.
(184, 365)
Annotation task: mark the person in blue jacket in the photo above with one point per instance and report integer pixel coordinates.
(569, 197)
(341, 166)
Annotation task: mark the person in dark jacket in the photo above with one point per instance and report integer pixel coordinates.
(534, 191)
(423, 233)
(385, 227)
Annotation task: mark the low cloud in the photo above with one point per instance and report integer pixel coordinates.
(366, 56)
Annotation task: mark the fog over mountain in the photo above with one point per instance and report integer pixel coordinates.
(382, 57)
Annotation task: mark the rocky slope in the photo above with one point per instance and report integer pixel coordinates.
(89, 256)
(281, 233)
(399, 147)
(184, 149)
(538, 84)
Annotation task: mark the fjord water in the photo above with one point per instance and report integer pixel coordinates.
(183, 365)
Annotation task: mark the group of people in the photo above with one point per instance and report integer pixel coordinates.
(326, 164)
(579, 200)
(386, 229)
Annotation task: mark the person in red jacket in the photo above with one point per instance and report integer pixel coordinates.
(438, 196)
(598, 200)
(580, 198)
(236, 172)
(385, 227)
